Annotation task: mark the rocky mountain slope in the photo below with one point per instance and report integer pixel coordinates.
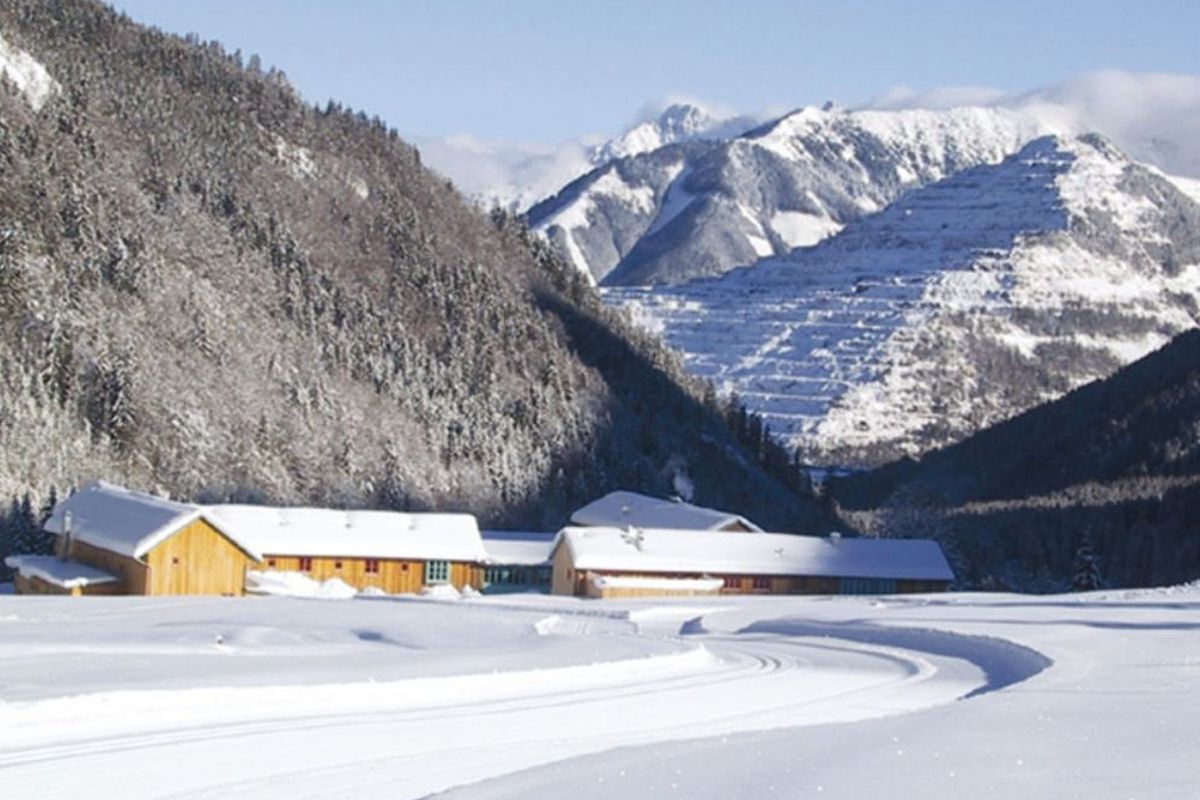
(1117, 459)
(209, 288)
(698, 209)
(959, 305)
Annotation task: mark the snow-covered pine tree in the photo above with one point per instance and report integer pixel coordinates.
(46, 540)
(1087, 576)
(27, 533)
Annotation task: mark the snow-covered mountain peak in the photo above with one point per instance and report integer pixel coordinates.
(718, 204)
(678, 122)
(961, 303)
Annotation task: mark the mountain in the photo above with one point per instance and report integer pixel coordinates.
(1117, 459)
(698, 209)
(677, 122)
(517, 175)
(212, 289)
(961, 304)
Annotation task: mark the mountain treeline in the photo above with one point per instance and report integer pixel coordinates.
(210, 288)
(1113, 466)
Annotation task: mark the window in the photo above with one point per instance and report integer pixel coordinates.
(437, 571)
(867, 586)
(732, 582)
(270, 562)
(762, 582)
(372, 566)
(337, 565)
(305, 564)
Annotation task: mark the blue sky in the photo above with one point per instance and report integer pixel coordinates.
(547, 70)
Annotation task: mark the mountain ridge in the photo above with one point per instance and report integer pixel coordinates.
(963, 302)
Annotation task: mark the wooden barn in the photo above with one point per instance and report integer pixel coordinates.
(112, 540)
(622, 509)
(639, 562)
(391, 551)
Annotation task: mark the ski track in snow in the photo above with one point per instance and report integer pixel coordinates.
(324, 741)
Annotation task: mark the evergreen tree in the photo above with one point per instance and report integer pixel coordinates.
(26, 533)
(1087, 567)
(47, 540)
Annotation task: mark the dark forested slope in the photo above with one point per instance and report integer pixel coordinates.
(1117, 460)
(210, 288)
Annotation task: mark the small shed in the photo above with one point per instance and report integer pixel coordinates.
(148, 545)
(395, 552)
(518, 561)
(621, 509)
(623, 562)
(52, 575)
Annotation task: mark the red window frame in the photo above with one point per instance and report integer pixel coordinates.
(305, 564)
(733, 582)
(762, 582)
(372, 566)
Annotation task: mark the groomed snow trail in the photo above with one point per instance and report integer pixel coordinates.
(410, 738)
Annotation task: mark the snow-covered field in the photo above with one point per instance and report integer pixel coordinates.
(957, 695)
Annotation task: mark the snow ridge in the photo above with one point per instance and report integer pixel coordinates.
(790, 183)
(960, 304)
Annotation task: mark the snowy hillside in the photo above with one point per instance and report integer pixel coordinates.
(981, 695)
(963, 303)
(679, 212)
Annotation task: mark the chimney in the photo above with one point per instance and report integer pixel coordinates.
(65, 542)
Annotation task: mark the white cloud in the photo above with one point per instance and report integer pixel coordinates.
(1152, 116)
(1155, 117)
(511, 174)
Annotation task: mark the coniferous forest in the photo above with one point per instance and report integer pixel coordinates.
(212, 289)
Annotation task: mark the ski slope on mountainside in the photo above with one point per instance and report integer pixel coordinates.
(961, 304)
(527, 695)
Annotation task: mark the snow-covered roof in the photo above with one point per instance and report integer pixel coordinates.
(621, 508)
(353, 534)
(679, 551)
(528, 548)
(125, 521)
(67, 574)
(639, 582)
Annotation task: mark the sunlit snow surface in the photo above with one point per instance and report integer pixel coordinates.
(530, 696)
(27, 74)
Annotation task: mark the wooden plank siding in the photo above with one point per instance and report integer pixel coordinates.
(133, 574)
(35, 585)
(198, 559)
(567, 580)
(395, 576)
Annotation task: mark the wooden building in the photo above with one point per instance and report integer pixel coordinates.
(390, 551)
(622, 509)
(141, 543)
(636, 562)
(517, 561)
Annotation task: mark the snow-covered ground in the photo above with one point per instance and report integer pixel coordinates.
(957, 695)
